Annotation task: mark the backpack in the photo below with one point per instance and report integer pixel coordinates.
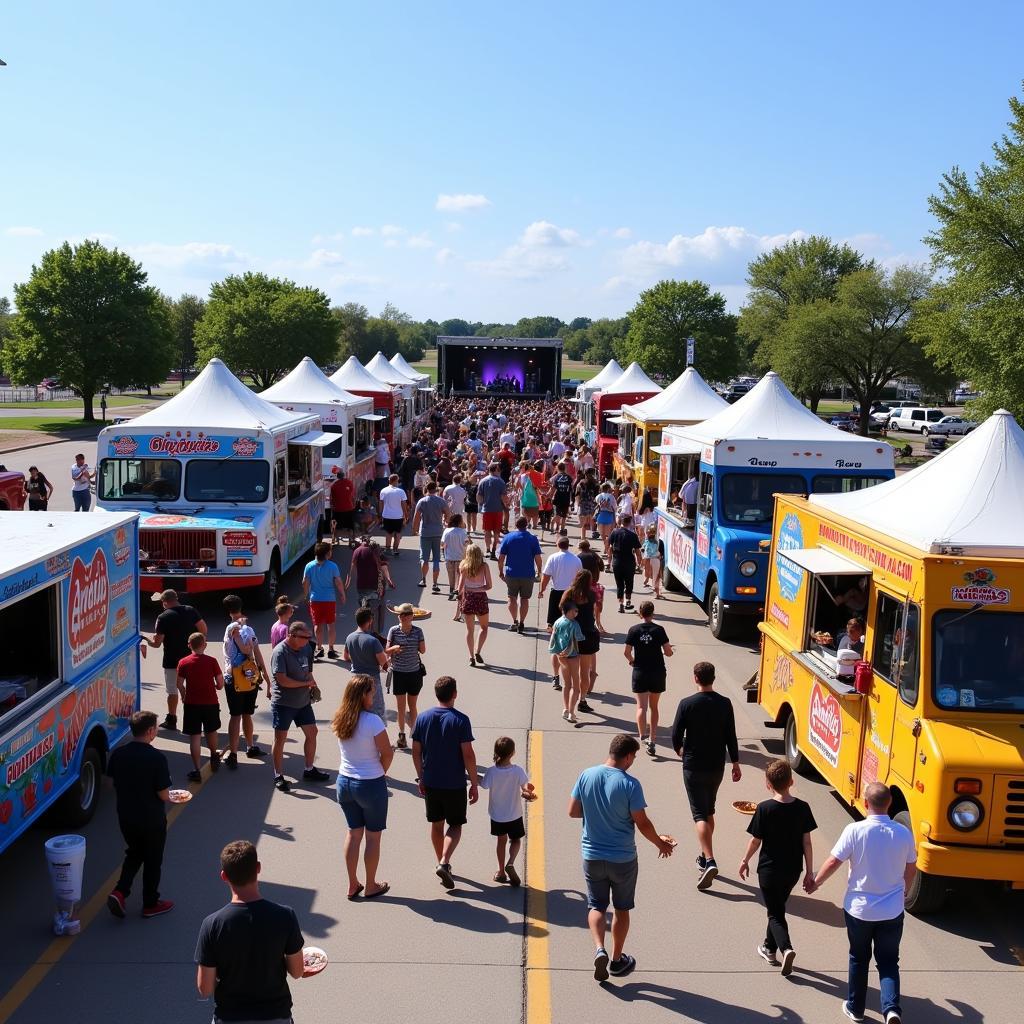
(529, 499)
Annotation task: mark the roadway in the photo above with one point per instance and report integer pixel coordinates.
(485, 951)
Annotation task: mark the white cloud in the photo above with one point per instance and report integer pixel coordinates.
(444, 255)
(362, 232)
(420, 241)
(461, 201)
(325, 258)
(622, 233)
(192, 257)
(23, 232)
(391, 230)
(391, 243)
(543, 233)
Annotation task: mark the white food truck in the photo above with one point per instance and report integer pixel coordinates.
(229, 487)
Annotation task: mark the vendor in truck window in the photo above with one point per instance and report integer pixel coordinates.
(852, 639)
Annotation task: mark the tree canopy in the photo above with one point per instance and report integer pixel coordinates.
(973, 322)
(88, 316)
(186, 311)
(263, 326)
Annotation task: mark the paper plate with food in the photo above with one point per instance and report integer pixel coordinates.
(179, 796)
(744, 806)
(410, 609)
(314, 959)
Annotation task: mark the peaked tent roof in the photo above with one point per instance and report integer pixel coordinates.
(398, 361)
(631, 381)
(353, 376)
(217, 398)
(688, 397)
(308, 384)
(381, 368)
(607, 376)
(969, 497)
(768, 411)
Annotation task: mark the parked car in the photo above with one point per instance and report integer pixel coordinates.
(847, 421)
(949, 426)
(917, 419)
(50, 383)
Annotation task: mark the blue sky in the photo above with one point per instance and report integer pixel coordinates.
(489, 162)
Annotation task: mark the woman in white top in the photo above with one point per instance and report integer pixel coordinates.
(366, 755)
(453, 547)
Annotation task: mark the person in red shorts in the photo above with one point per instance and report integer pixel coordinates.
(199, 680)
(492, 496)
(343, 507)
(321, 586)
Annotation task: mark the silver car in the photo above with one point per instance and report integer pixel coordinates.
(950, 426)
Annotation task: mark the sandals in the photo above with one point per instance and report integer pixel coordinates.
(513, 876)
(385, 887)
(499, 876)
(353, 896)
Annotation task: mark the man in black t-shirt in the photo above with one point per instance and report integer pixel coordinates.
(782, 828)
(174, 625)
(646, 649)
(142, 782)
(247, 949)
(561, 496)
(703, 732)
(625, 545)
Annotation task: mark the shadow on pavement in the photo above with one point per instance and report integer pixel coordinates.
(697, 1007)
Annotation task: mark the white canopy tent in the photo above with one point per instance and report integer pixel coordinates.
(608, 375)
(967, 500)
(631, 381)
(381, 368)
(307, 384)
(398, 361)
(353, 376)
(688, 399)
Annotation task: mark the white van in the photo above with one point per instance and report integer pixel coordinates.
(915, 418)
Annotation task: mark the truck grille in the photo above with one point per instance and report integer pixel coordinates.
(171, 546)
(1009, 801)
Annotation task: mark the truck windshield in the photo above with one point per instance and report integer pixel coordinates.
(750, 497)
(979, 659)
(843, 484)
(227, 480)
(139, 479)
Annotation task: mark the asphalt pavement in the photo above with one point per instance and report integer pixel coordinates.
(485, 951)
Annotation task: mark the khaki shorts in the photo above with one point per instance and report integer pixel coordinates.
(519, 587)
(171, 681)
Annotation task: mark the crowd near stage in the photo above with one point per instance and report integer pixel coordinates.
(509, 367)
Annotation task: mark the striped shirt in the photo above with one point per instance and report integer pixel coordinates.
(408, 658)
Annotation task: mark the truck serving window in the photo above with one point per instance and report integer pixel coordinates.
(300, 472)
(139, 479)
(653, 441)
(978, 659)
(896, 654)
(227, 480)
(29, 662)
(333, 450)
(750, 497)
(843, 484)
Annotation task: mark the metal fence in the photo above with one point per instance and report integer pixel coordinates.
(43, 395)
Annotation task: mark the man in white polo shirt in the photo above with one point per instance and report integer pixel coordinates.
(881, 855)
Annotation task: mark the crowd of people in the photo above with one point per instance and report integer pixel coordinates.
(482, 484)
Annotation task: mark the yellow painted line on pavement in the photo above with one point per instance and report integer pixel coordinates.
(538, 962)
(52, 955)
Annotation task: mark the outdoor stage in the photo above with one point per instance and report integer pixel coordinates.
(502, 367)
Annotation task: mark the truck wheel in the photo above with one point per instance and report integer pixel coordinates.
(796, 760)
(266, 592)
(927, 893)
(669, 582)
(79, 803)
(720, 622)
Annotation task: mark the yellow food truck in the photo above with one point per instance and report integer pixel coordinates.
(688, 399)
(931, 700)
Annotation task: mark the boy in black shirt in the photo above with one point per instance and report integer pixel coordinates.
(782, 828)
(247, 949)
(626, 546)
(646, 649)
(142, 782)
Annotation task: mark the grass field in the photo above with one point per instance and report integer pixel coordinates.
(46, 426)
(114, 402)
(572, 369)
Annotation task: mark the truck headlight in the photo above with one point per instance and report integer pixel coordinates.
(748, 568)
(965, 815)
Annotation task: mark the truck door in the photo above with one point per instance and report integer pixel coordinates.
(702, 533)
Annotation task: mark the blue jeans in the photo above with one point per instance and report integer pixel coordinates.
(885, 937)
(82, 499)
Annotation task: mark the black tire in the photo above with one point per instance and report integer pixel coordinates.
(927, 893)
(669, 582)
(719, 621)
(266, 593)
(791, 745)
(79, 803)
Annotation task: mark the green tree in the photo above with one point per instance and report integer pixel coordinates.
(263, 326)
(669, 313)
(973, 321)
(87, 316)
(394, 315)
(382, 336)
(537, 327)
(579, 323)
(186, 311)
(6, 320)
(495, 331)
(456, 328)
(773, 323)
(352, 338)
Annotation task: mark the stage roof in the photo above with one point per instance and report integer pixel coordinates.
(452, 341)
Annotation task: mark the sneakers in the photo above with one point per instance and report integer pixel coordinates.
(255, 751)
(422, 583)
(893, 1017)
(572, 719)
(282, 784)
(315, 775)
(767, 955)
(215, 761)
(444, 872)
(332, 653)
(601, 965)
(232, 761)
(651, 749)
(629, 606)
(522, 628)
(115, 903)
(847, 1012)
(158, 908)
(584, 707)
(170, 723)
(435, 589)
(788, 957)
(702, 862)
(479, 658)
(621, 967)
(318, 653)
(555, 684)
(565, 713)
(195, 775)
(708, 875)
(622, 607)
(400, 743)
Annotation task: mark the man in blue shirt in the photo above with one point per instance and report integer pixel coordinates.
(519, 564)
(321, 583)
(611, 803)
(442, 751)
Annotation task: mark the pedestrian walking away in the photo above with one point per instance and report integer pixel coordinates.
(199, 682)
(322, 588)
(81, 484)
(492, 495)
(559, 571)
(429, 519)
(247, 950)
(519, 565)
(364, 651)
(245, 671)
(882, 862)
(142, 782)
(566, 636)
(394, 513)
(343, 507)
(404, 646)
(625, 553)
(703, 734)
(174, 625)
(453, 548)
(611, 803)
(473, 586)
(442, 752)
(581, 593)
(781, 829)
(362, 787)
(646, 649)
(507, 786)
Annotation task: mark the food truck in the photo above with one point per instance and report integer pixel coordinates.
(767, 443)
(69, 660)
(350, 418)
(632, 386)
(406, 391)
(425, 391)
(229, 487)
(933, 562)
(585, 392)
(688, 399)
(388, 404)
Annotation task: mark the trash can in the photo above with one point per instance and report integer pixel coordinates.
(65, 857)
